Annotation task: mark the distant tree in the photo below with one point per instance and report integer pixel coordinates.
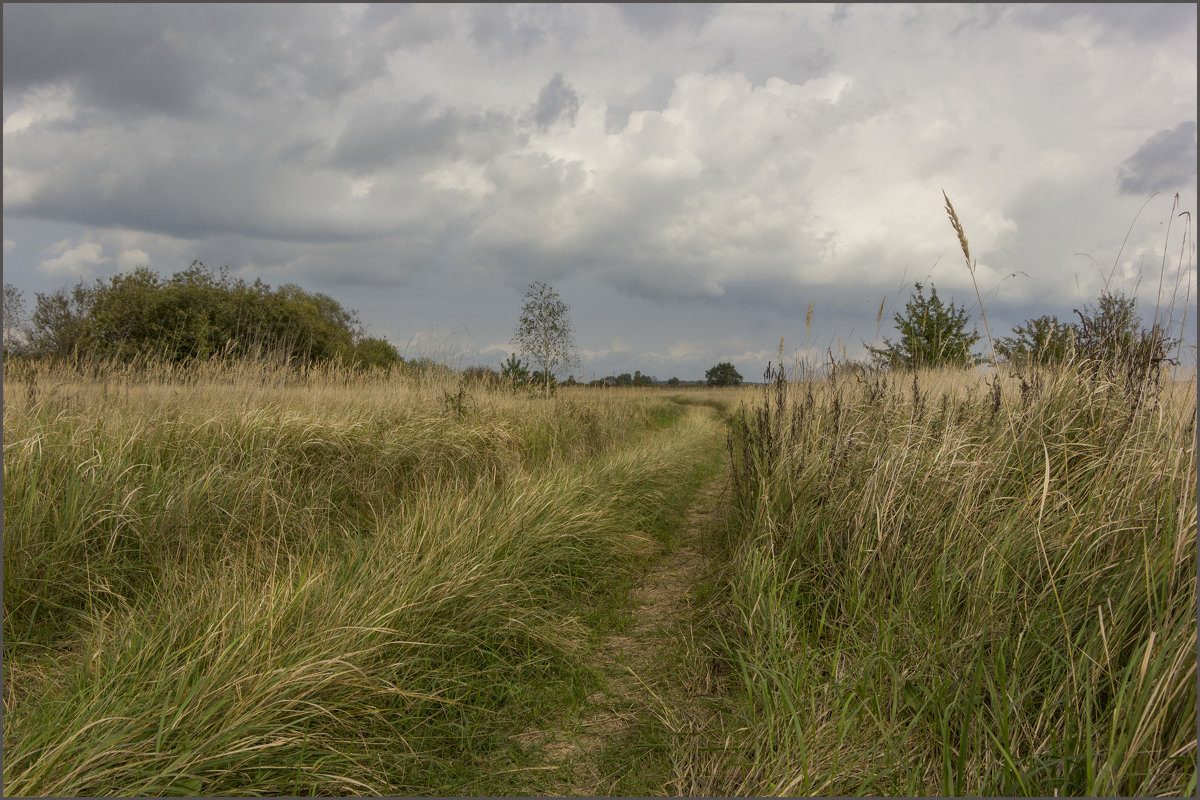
(14, 318)
(723, 374)
(1044, 341)
(514, 371)
(372, 352)
(1110, 336)
(486, 376)
(544, 332)
(426, 367)
(673, 382)
(1113, 328)
(642, 380)
(548, 382)
(625, 379)
(59, 322)
(931, 334)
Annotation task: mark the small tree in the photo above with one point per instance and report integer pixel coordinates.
(1113, 328)
(723, 374)
(931, 334)
(514, 371)
(1111, 339)
(1043, 341)
(544, 332)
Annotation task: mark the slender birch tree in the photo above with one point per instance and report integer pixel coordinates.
(545, 334)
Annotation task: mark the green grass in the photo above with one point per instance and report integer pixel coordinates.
(314, 588)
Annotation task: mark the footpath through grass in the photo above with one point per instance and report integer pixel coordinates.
(240, 583)
(648, 695)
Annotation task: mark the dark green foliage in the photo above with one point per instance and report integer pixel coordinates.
(1113, 329)
(485, 376)
(59, 321)
(1112, 344)
(373, 352)
(195, 315)
(514, 371)
(548, 382)
(1112, 325)
(932, 334)
(723, 374)
(426, 367)
(625, 379)
(1108, 342)
(1044, 341)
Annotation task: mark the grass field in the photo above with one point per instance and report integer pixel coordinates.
(239, 580)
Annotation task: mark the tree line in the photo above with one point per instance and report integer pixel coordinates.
(198, 314)
(195, 314)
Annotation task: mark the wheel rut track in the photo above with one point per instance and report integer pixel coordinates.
(646, 680)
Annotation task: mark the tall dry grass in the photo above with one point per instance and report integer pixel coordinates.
(944, 583)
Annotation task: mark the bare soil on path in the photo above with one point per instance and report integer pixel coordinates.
(650, 691)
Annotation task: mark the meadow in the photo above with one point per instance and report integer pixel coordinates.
(238, 579)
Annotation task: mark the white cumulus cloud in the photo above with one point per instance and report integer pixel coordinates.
(78, 261)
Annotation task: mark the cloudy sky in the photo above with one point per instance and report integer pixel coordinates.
(689, 178)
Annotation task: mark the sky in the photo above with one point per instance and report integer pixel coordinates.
(691, 179)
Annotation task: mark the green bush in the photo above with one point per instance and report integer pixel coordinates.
(373, 352)
(932, 334)
(194, 315)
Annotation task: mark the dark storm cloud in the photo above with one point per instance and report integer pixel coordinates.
(556, 101)
(191, 199)
(378, 137)
(981, 18)
(1166, 161)
(656, 19)
(1136, 21)
(112, 56)
(510, 29)
(168, 179)
(406, 25)
(261, 51)
(180, 60)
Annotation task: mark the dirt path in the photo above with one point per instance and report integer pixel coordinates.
(612, 744)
